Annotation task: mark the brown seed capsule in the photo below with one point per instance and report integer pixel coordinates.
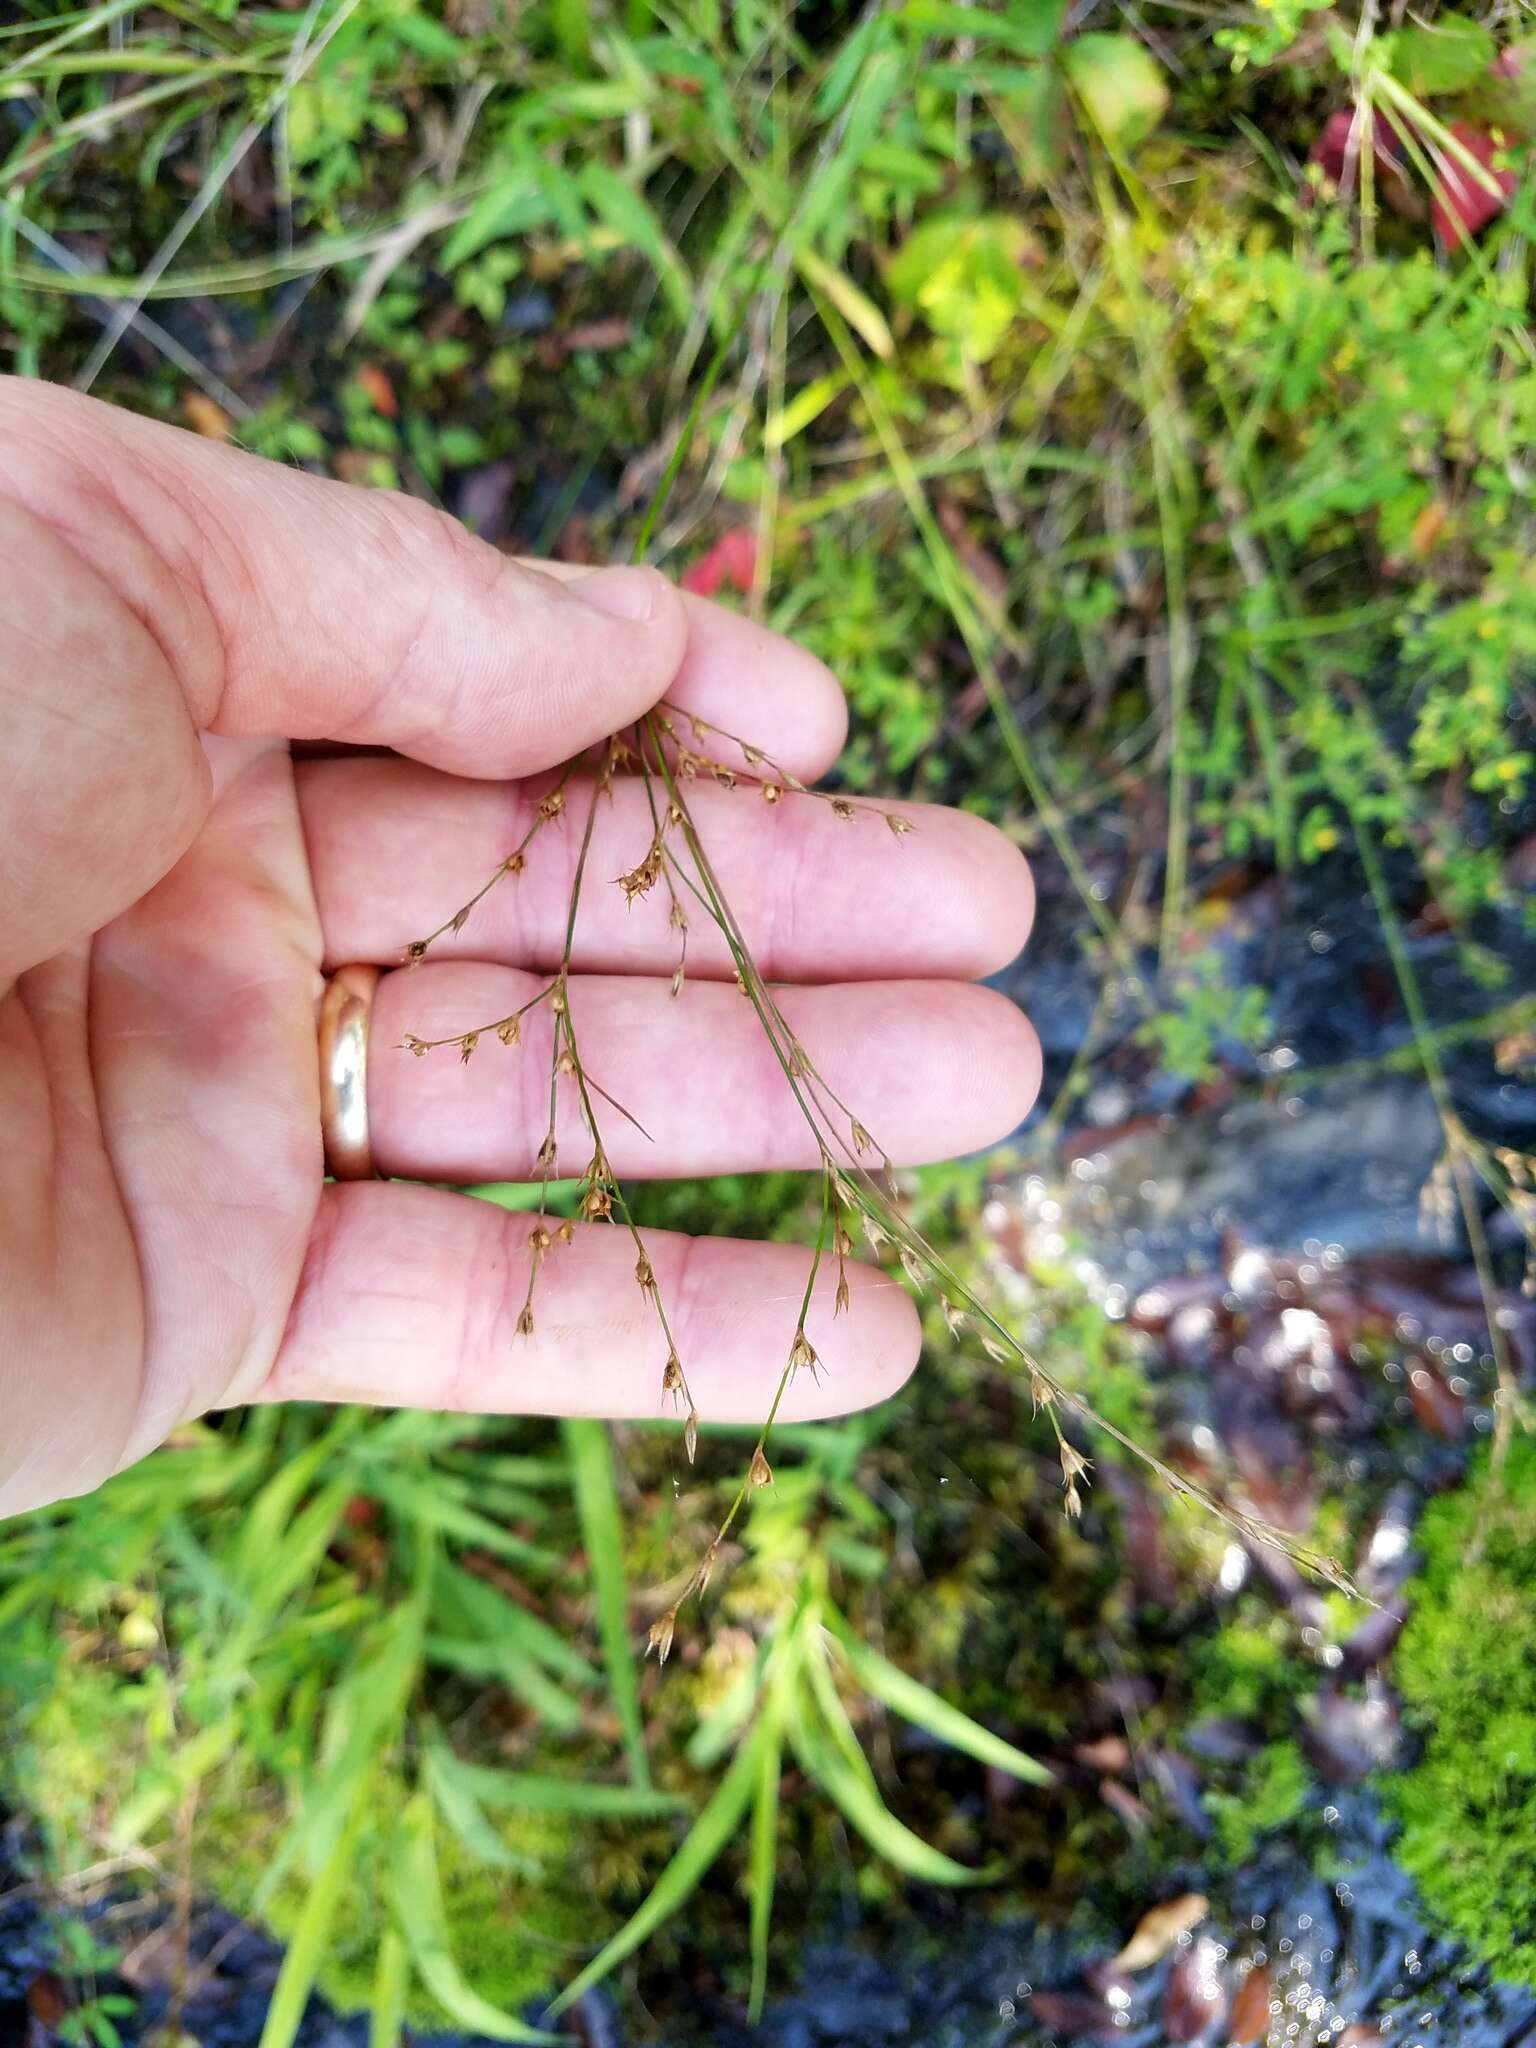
(467, 1045)
(760, 1472)
(416, 952)
(545, 1161)
(873, 1232)
(912, 1266)
(953, 1316)
(539, 1240)
(679, 917)
(557, 998)
(510, 1030)
(566, 1232)
(801, 1355)
(771, 792)
(899, 826)
(862, 1141)
(840, 1302)
(644, 1275)
(741, 982)
(411, 1043)
(707, 1565)
(841, 808)
(552, 805)
(725, 778)
(525, 1320)
(674, 812)
(691, 1435)
(460, 918)
(688, 764)
(514, 864)
(753, 756)
(677, 979)
(660, 1636)
(672, 1375)
(566, 1062)
(596, 1204)
(842, 1243)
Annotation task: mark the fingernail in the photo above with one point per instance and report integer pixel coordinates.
(622, 593)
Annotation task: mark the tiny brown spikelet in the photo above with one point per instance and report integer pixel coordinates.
(557, 997)
(677, 980)
(514, 864)
(644, 1276)
(678, 918)
(1074, 1466)
(566, 1062)
(707, 1565)
(552, 805)
(954, 1317)
(525, 1320)
(546, 1155)
(725, 778)
(801, 1356)
(416, 952)
(660, 1637)
(874, 1233)
(841, 808)
(840, 1300)
(842, 1243)
(1041, 1392)
(862, 1141)
(899, 826)
(596, 1204)
(412, 1044)
(467, 1046)
(771, 792)
(539, 1240)
(691, 1434)
(510, 1030)
(759, 1472)
(566, 1231)
(994, 1351)
(672, 1375)
(912, 1266)
(460, 918)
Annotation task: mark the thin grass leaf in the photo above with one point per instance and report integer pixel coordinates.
(762, 1860)
(423, 1924)
(309, 1944)
(597, 1503)
(866, 1812)
(463, 1814)
(617, 202)
(916, 1703)
(391, 1976)
(856, 307)
(533, 1793)
(701, 1848)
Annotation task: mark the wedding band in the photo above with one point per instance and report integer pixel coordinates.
(345, 1010)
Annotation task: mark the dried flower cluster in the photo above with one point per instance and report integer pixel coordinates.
(858, 1187)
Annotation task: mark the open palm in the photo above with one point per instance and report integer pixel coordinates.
(174, 884)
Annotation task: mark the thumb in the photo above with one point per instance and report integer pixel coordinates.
(157, 586)
(294, 607)
(103, 783)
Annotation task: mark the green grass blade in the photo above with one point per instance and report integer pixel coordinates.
(763, 1858)
(391, 1974)
(914, 1702)
(597, 1503)
(867, 1813)
(423, 1924)
(307, 1948)
(493, 1787)
(701, 1847)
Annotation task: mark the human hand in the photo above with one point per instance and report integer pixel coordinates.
(175, 883)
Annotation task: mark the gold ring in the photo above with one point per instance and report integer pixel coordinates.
(345, 1010)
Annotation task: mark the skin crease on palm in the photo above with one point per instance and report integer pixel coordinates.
(175, 883)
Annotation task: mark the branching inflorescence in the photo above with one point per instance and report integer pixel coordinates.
(668, 751)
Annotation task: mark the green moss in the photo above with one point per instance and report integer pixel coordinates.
(1467, 1671)
(1277, 1785)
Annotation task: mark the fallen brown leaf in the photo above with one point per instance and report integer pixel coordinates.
(1158, 1930)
